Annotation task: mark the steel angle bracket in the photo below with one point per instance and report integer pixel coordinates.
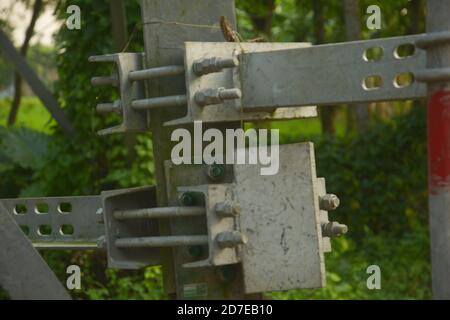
(133, 120)
(219, 225)
(213, 84)
(129, 199)
(361, 71)
(59, 222)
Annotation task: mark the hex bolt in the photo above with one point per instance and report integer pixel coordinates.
(328, 202)
(333, 229)
(216, 171)
(216, 95)
(227, 209)
(215, 64)
(116, 106)
(226, 273)
(195, 251)
(187, 199)
(230, 239)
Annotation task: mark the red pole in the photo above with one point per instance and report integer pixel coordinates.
(438, 57)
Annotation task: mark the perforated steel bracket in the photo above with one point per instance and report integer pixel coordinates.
(278, 236)
(59, 222)
(361, 71)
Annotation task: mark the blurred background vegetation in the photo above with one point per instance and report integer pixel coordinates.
(373, 156)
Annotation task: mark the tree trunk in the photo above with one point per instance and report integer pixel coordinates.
(327, 113)
(38, 4)
(352, 16)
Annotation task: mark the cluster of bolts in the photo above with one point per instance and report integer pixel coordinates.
(212, 96)
(332, 229)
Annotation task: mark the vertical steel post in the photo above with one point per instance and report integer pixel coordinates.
(167, 25)
(439, 152)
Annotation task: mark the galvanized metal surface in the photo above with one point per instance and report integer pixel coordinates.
(284, 249)
(438, 57)
(146, 74)
(124, 200)
(321, 190)
(161, 102)
(58, 222)
(23, 272)
(229, 110)
(330, 74)
(133, 120)
(215, 225)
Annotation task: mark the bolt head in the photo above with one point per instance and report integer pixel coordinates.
(187, 199)
(200, 98)
(329, 202)
(216, 171)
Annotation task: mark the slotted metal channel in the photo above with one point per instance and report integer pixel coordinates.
(360, 71)
(59, 222)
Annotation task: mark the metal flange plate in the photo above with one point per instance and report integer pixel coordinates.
(230, 110)
(59, 222)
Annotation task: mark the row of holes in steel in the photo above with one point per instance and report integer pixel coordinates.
(42, 208)
(46, 230)
(402, 80)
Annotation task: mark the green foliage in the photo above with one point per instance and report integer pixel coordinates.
(32, 114)
(22, 152)
(382, 172)
(381, 178)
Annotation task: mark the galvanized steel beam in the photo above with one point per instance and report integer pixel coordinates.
(23, 272)
(351, 72)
